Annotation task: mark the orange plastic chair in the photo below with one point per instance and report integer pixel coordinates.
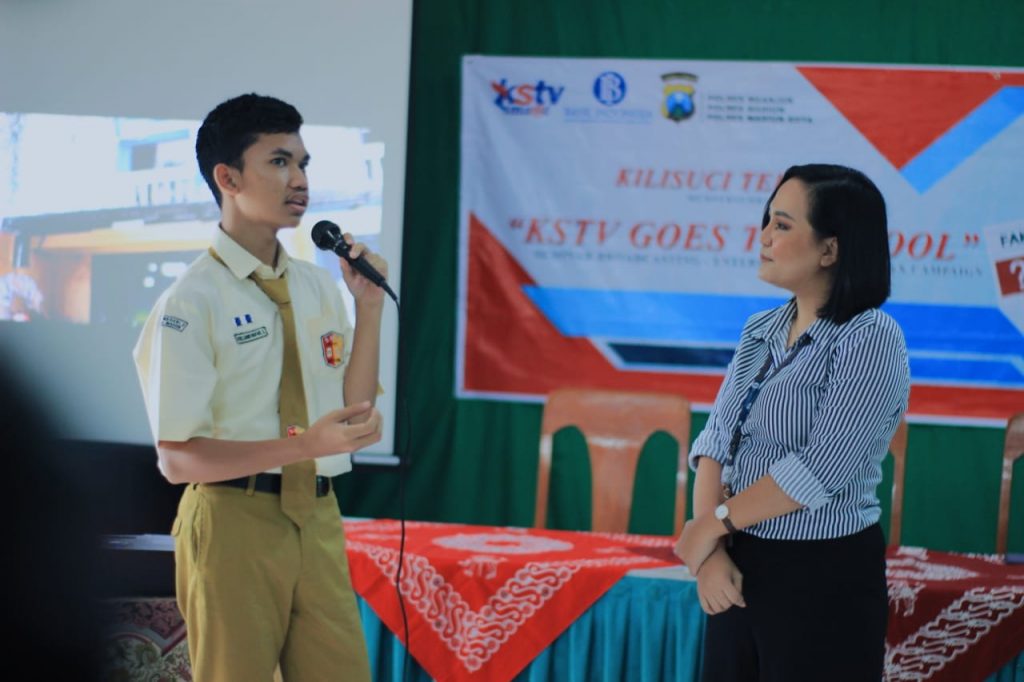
(1013, 448)
(615, 426)
(898, 448)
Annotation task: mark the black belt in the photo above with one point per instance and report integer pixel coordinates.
(271, 483)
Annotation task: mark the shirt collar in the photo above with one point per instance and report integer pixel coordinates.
(776, 329)
(778, 323)
(241, 263)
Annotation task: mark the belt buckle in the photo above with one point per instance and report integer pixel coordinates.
(323, 486)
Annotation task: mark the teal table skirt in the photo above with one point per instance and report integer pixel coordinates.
(642, 630)
(1012, 671)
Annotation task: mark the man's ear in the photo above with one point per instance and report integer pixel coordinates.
(830, 254)
(228, 179)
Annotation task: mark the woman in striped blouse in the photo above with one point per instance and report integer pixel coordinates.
(785, 540)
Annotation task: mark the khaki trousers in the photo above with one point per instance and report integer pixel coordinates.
(257, 591)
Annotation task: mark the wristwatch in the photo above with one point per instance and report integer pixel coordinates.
(722, 514)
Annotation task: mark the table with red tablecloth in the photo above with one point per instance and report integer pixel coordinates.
(482, 600)
(951, 616)
(497, 603)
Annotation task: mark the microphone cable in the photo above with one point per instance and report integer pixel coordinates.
(402, 447)
(402, 450)
(327, 236)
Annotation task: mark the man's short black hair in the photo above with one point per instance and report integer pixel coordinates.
(233, 126)
(845, 204)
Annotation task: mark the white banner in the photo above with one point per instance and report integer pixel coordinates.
(611, 209)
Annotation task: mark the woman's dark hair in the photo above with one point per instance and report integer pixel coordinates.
(845, 204)
(233, 126)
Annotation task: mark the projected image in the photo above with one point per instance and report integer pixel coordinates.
(98, 215)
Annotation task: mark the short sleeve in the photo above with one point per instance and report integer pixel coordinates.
(175, 362)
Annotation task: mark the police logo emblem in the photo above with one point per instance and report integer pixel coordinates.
(678, 103)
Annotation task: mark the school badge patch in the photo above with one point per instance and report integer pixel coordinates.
(172, 322)
(333, 345)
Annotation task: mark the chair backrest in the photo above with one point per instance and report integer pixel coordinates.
(615, 425)
(898, 448)
(1013, 448)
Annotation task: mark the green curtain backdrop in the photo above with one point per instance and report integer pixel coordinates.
(476, 461)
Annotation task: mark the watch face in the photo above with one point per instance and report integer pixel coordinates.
(721, 511)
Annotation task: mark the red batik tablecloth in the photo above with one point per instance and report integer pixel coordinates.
(955, 617)
(482, 602)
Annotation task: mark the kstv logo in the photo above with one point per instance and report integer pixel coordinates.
(524, 99)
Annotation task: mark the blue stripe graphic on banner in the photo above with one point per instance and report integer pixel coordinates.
(672, 356)
(973, 371)
(647, 315)
(945, 343)
(965, 138)
(956, 370)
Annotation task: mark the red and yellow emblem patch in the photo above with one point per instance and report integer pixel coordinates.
(333, 344)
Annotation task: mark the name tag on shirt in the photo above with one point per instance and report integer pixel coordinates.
(251, 335)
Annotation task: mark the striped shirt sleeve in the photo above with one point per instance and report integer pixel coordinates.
(713, 441)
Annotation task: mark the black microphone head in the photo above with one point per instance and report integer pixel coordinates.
(325, 235)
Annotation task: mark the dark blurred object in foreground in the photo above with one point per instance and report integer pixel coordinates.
(50, 606)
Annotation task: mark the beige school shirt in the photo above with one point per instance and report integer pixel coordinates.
(209, 357)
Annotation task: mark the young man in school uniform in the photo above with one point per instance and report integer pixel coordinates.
(257, 388)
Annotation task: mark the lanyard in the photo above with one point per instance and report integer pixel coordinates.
(763, 375)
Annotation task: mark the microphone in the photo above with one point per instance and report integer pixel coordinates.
(327, 236)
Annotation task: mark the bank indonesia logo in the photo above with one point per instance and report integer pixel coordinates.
(610, 88)
(677, 104)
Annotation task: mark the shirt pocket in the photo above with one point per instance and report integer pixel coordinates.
(329, 350)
